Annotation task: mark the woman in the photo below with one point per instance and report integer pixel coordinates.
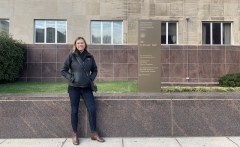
(83, 68)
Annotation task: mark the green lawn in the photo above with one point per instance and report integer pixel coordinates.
(103, 87)
(61, 87)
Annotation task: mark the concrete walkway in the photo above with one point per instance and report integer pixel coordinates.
(126, 142)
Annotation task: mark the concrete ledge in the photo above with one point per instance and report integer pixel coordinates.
(123, 115)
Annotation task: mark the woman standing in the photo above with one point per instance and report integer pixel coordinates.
(79, 68)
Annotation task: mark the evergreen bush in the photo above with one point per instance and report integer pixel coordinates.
(11, 58)
(230, 80)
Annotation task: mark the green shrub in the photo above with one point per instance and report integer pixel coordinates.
(11, 58)
(229, 80)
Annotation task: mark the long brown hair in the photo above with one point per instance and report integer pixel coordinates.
(74, 45)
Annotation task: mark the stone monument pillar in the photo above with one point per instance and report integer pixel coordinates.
(149, 56)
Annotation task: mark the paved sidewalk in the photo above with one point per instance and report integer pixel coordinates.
(126, 142)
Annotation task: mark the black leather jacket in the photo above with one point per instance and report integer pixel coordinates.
(76, 76)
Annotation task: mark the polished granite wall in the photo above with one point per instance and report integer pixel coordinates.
(202, 64)
(123, 115)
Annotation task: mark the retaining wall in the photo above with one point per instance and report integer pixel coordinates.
(123, 115)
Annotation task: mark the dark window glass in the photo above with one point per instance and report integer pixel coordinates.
(206, 33)
(163, 33)
(61, 32)
(168, 33)
(216, 30)
(40, 29)
(50, 31)
(216, 33)
(172, 33)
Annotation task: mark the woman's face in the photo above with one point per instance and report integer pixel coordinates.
(80, 45)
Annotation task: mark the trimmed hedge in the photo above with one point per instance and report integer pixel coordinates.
(11, 58)
(229, 80)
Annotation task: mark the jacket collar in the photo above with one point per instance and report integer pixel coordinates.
(87, 54)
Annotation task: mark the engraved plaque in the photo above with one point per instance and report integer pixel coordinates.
(149, 56)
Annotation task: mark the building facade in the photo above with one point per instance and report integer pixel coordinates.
(200, 38)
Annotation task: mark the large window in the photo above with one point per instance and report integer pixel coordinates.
(216, 33)
(50, 31)
(4, 25)
(106, 32)
(169, 33)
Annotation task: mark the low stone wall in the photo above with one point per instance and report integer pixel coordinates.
(123, 115)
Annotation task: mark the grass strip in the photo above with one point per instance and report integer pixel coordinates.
(103, 87)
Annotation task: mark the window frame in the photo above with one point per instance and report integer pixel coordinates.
(101, 32)
(221, 33)
(167, 23)
(45, 31)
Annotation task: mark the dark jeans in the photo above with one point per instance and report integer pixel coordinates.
(87, 95)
